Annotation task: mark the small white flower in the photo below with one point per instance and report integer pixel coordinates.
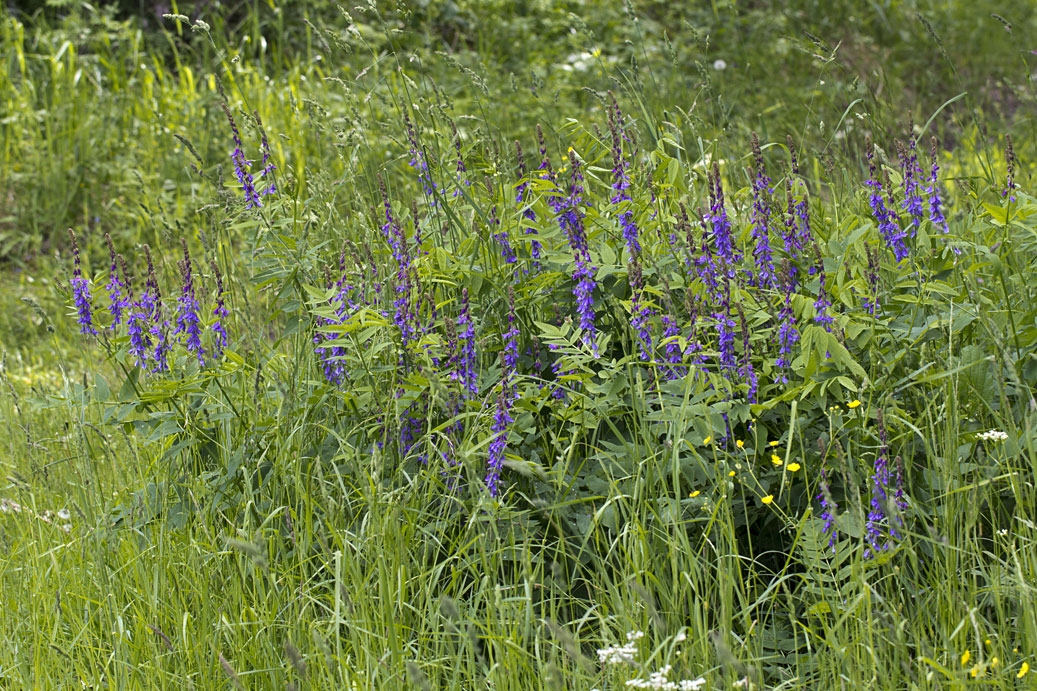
(994, 435)
(719, 65)
(64, 514)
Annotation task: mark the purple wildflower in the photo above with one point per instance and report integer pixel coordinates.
(746, 372)
(419, 162)
(138, 323)
(886, 219)
(81, 292)
(242, 166)
(157, 325)
(500, 232)
(511, 335)
(872, 274)
(501, 422)
(828, 509)
(640, 314)
(725, 329)
(823, 303)
(723, 241)
(760, 219)
(572, 222)
(788, 334)
(187, 322)
(267, 162)
(912, 175)
(115, 285)
(219, 313)
(933, 190)
(466, 371)
(877, 529)
(621, 181)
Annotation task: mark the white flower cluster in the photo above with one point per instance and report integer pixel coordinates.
(658, 680)
(992, 435)
(10, 506)
(621, 654)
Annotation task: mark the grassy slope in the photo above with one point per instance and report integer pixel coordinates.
(351, 585)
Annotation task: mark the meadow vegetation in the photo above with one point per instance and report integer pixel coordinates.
(465, 345)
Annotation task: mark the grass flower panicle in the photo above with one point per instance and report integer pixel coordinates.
(1009, 189)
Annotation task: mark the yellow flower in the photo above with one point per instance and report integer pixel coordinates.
(740, 444)
(1022, 671)
(965, 657)
(792, 467)
(776, 459)
(974, 672)
(775, 443)
(994, 662)
(770, 497)
(731, 474)
(853, 404)
(705, 442)
(695, 494)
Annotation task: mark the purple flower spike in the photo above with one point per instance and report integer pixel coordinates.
(187, 322)
(583, 276)
(81, 292)
(828, 509)
(788, 334)
(886, 219)
(760, 220)
(115, 286)
(621, 180)
(912, 174)
(640, 314)
(220, 314)
(242, 166)
(722, 241)
(467, 366)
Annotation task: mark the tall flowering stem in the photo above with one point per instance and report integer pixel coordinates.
(621, 181)
(911, 172)
(158, 329)
(242, 166)
(933, 190)
(747, 373)
(722, 240)
(640, 313)
(828, 509)
(462, 171)
(788, 334)
(467, 366)
(571, 220)
(219, 314)
(521, 199)
(760, 220)
(886, 219)
(1009, 190)
(266, 173)
(81, 292)
(501, 423)
(419, 162)
(188, 324)
(879, 529)
(115, 286)
(823, 303)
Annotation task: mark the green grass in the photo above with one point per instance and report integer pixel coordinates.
(246, 524)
